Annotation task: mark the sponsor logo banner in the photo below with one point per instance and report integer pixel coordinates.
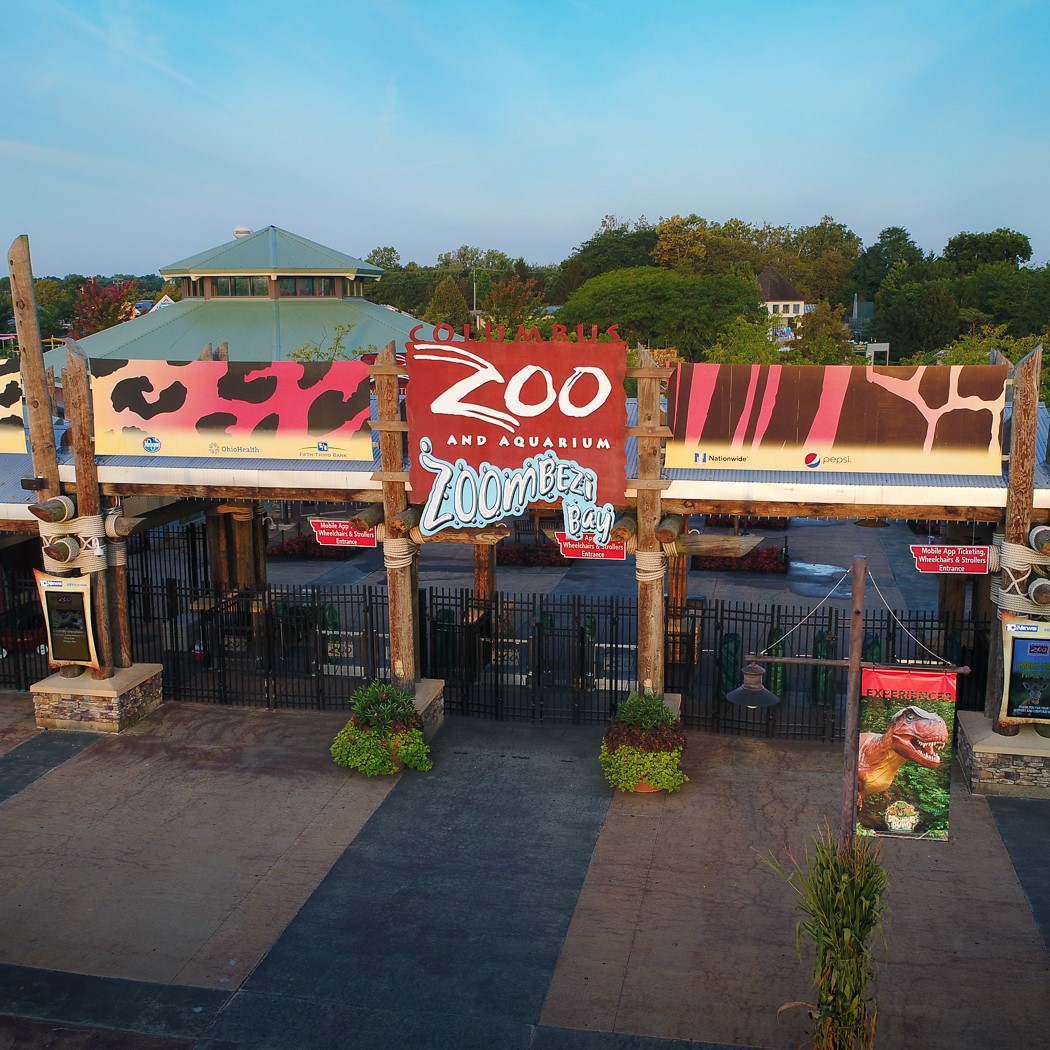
(235, 410)
(907, 720)
(12, 421)
(496, 427)
(936, 419)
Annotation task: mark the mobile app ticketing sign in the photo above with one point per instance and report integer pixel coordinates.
(497, 426)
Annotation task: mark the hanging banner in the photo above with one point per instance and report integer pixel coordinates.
(1026, 658)
(929, 419)
(232, 409)
(495, 427)
(67, 615)
(907, 721)
(12, 421)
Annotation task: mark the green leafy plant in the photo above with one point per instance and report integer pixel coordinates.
(384, 733)
(643, 743)
(839, 888)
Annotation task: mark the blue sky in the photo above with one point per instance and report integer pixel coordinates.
(134, 134)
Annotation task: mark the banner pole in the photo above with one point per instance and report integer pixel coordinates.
(851, 744)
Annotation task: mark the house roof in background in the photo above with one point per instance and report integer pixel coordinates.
(775, 287)
(273, 251)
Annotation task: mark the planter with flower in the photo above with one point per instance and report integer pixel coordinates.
(642, 746)
(384, 734)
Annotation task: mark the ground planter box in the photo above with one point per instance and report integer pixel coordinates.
(761, 559)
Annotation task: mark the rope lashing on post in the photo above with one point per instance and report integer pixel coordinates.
(88, 534)
(116, 553)
(398, 552)
(1016, 562)
(649, 565)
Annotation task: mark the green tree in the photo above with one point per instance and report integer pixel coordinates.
(512, 302)
(55, 306)
(823, 339)
(894, 245)
(616, 245)
(385, 258)
(967, 251)
(7, 309)
(746, 343)
(914, 317)
(661, 308)
(447, 305)
(408, 289)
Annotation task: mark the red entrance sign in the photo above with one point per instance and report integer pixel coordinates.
(513, 405)
(333, 533)
(938, 558)
(587, 548)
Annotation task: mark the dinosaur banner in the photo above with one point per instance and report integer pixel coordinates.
(905, 758)
(232, 409)
(935, 419)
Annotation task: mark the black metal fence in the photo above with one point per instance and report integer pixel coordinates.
(299, 647)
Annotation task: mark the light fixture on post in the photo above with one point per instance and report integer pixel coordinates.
(752, 694)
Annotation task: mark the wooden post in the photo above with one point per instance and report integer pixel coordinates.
(77, 397)
(484, 571)
(1019, 493)
(851, 743)
(651, 618)
(215, 536)
(403, 578)
(119, 608)
(34, 377)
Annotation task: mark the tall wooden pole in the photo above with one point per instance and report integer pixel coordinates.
(851, 744)
(89, 503)
(401, 572)
(34, 376)
(1020, 489)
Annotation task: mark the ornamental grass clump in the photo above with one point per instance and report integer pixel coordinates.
(840, 889)
(642, 746)
(384, 733)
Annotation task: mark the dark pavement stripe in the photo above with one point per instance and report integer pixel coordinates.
(38, 756)
(1024, 824)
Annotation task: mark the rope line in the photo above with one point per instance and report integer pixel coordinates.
(649, 566)
(807, 616)
(897, 621)
(398, 552)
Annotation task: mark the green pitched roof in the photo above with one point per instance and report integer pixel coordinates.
(255, 329)
(271, 251)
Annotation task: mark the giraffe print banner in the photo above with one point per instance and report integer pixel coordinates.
(935, 419)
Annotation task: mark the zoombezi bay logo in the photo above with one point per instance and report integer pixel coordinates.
(463, 497)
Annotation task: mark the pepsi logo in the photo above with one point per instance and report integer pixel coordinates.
(812, 460)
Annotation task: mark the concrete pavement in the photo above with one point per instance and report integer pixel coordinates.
(211, 877)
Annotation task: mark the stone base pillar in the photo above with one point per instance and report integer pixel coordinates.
(430, 705)
(108, 705)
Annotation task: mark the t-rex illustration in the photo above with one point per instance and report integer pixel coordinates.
(913, 735)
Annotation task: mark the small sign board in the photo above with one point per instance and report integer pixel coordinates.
(587, 548)
(332, 532)
(940, 558)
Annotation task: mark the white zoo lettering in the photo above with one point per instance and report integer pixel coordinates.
(451, 402)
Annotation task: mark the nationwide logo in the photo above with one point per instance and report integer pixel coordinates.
(812, 460)
(151, 444)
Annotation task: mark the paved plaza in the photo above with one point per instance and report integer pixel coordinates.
(209, 879)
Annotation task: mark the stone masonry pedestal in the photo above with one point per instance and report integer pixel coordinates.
(106, 705)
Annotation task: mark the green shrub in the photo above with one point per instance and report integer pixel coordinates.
(384, 724)
(643, 742)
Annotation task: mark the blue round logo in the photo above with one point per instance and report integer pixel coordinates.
(151, 444)
(812, 460)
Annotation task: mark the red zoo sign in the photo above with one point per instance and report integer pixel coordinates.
(938, 558)
(331, 532)
(504, 403)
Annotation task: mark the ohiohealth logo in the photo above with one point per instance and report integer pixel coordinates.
(151, 444)
(812, 460)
